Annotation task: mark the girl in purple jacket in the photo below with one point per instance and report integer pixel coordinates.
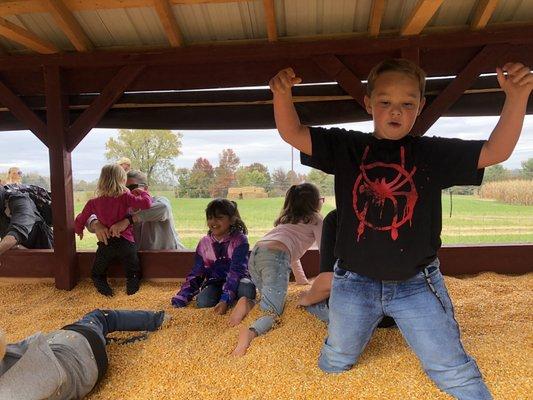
(220, 272)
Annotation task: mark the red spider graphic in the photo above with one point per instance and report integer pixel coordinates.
(377, 192)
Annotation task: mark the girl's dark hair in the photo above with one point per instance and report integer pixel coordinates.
(301, 203)
(219, 207)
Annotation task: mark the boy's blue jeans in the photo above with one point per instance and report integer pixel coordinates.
(270, 271)
(427, 322)
(108, 321)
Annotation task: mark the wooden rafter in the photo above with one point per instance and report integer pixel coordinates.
(69, 25)
(109, 95)
(422, 13)
(13, 7)
(337, 71)
(376, 15)
(483, 12)
(168, 20)
(22, 112)
(270, 19)
(29, 39)
(457, 87)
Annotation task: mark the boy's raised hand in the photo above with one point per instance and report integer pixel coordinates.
(518, 81)
(284, 81)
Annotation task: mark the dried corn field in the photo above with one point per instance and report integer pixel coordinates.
(190, 359)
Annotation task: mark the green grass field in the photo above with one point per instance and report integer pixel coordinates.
(473, 221)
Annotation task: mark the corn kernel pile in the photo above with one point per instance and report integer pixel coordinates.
(191, 358)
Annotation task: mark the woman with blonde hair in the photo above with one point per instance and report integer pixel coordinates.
(14, 176)
(111, 205)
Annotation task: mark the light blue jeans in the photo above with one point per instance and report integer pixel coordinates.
(270, 271)
(423, 312)
(320, 310)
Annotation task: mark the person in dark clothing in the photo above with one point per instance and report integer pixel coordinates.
(21, 224)
(69, 362)
(316, 299)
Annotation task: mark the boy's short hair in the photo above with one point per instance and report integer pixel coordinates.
(139, 176)
(397, 65)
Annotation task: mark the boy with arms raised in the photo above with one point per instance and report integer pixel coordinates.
(388, 192)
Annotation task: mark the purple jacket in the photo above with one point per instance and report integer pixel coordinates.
(216, 261)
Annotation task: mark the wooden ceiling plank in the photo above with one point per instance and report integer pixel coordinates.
(457, 87)
(69, 25)
(14, 7)
(419, 18)
(168, 20)
(109, 95)
(29, 39)
(270, 19)
(346, 79)
(482, 14)
(22, 112)
(376, 15)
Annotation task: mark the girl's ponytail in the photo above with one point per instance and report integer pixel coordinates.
(302, 202)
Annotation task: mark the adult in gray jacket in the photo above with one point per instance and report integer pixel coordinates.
(153, 228)
(69, 362)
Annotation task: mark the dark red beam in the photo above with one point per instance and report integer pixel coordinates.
(457, 87)
(21, 111)
(340, 73)
(202, 54)
(456, 260)
(111, 93)
(61, 181)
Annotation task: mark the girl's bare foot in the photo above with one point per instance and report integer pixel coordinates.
(241, 310)
(246, 336)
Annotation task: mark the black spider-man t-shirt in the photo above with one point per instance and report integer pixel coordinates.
(388, 195)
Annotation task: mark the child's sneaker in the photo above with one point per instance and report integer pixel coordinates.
(132, 284)
(101, 284)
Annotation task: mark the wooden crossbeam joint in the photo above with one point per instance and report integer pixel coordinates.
(482, 13)
(456, 88)
(270, 19)
(419, 18)
(109, 95)
(26, 38)
(23, 113)
(337, 71)
(376, 15)
(169, 23)
(69, 25)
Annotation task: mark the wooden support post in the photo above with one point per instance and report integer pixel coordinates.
(337, 71)
(110, 94)
(66, 274)
(22, 112)
(456, 88)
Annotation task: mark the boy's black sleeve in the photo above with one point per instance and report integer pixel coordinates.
(324, 142)
(454, 161)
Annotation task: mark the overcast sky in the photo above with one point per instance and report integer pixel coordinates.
(22, 149)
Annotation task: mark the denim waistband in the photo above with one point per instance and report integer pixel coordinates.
(277, 252)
